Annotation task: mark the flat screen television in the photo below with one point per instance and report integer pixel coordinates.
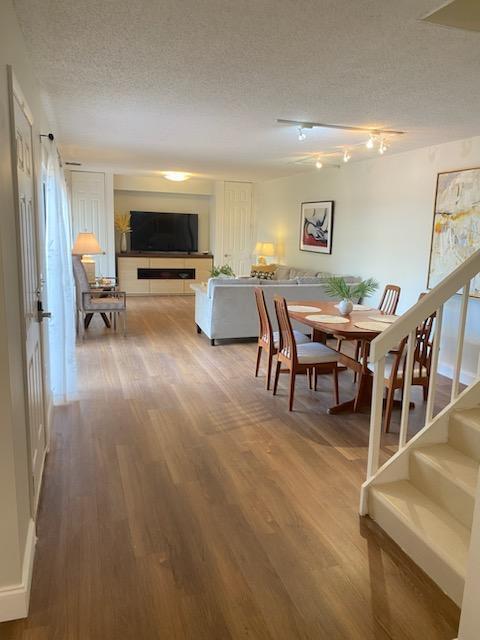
(155, 231)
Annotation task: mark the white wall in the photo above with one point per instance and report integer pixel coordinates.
(382, 225)
(126, 201)
(14, 475)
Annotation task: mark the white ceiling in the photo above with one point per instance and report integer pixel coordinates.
(196, 85)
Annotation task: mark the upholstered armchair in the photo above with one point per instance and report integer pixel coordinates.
(108, 303)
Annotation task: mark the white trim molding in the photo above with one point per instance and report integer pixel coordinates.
(14, 600)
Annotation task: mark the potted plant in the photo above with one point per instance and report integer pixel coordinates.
(223, 271)
(337, 287)
(122, 225)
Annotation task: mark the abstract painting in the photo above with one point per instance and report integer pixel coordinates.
(316, 226)
(456, 224)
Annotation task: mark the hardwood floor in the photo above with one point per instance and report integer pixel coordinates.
(182, 501)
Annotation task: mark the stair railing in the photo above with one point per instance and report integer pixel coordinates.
(406, 325)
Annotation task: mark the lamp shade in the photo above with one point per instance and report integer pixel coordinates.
(266, 249)
(86, 244)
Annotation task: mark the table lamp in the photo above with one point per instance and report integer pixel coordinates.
(263, 250)
(87, 245)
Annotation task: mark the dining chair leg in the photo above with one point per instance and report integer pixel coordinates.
(335, 385)
(277, 375)
(388, 410)
(315, 379)
(269, 369)
(291, 390)
(425, 392)
(309, 378)
(259, 357)
(124, 314)
(357, 357)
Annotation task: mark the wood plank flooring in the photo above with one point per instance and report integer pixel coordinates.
(182, 501)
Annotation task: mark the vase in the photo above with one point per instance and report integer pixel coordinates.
(345, 307)
(123, 243)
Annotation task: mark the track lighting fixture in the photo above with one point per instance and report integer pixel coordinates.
(318, 164)
(370, 142)
(301, 134)
(346, 155)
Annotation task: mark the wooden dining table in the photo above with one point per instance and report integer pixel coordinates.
(346, 331)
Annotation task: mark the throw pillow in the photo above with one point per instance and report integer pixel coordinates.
(263, 271)
(262, 275)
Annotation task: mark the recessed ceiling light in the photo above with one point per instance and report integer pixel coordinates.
(176, 176)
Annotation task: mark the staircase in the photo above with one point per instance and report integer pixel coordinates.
(430, 513)
(426, 497)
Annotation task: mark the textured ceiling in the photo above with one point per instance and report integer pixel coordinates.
(196, 85)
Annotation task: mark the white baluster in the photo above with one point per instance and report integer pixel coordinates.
(434, 366)
(461, 335)
(376, 417)
(407, 387)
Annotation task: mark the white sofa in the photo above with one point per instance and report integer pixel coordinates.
(225, 308)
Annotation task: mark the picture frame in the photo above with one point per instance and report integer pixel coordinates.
(316, 226)
(456, 224)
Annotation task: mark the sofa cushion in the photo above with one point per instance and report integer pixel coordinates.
(302, 273)
(282, 272)
(309, 280)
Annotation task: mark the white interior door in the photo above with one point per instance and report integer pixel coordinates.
(89, 213)
(30, 284)
(237, 234)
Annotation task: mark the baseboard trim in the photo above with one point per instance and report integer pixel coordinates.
(14, 600)
(466, 377)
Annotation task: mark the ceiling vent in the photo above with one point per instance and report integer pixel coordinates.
(458, 14)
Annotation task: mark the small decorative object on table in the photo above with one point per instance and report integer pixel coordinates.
(224, 271)
(337, 287)
(122, 225)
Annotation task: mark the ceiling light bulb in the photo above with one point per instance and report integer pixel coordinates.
(176, 176)
(346, 156)
(370, 142)
(301, 134)
(318, 164)
(383, 147)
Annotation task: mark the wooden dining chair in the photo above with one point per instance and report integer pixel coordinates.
(388, 306)
(395, 363)
(389, 300)
(267, 338)
(301, 358)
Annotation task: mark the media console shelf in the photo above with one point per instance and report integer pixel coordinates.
(162, 273)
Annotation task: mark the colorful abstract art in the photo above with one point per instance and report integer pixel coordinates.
(456, 224)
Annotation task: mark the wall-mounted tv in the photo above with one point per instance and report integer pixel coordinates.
(155, 231)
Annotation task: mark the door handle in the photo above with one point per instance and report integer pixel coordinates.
(41, 314)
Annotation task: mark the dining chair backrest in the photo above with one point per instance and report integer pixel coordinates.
(389, 302)
(424, 344)
(266, 332)
(286, 342)
(81, 281)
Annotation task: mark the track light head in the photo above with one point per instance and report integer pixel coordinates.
(346, 155)
(301, 134)
(318, 164)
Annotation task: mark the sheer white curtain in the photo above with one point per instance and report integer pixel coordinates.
(60, 285)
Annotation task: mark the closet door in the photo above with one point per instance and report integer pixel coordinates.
(89, 213)
(237, 227)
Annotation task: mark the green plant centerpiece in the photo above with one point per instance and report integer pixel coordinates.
(338, 288)
(223, 271)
